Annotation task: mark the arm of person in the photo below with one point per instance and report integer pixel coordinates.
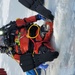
(31, 19)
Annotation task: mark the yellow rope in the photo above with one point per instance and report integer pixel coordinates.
(11, 55)
(28, 36)
(35, 71)
(34, 68)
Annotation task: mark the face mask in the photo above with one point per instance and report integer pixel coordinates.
(45, 28)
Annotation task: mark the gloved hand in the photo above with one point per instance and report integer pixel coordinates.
(39, 17)
(43, 66)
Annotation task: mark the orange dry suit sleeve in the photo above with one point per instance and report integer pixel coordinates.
(21, 22)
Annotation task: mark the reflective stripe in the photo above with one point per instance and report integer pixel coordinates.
(17, 40)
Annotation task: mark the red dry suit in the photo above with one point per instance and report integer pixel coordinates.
(24, 41)
(46, 41)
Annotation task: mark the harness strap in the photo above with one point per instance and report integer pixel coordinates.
(17, 41)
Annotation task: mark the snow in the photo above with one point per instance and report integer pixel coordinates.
(5, 10)
(64, 39)
(64, 35)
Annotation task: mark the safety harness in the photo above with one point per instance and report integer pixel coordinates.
(24, 34)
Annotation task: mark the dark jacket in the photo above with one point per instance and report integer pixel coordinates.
(37, 5)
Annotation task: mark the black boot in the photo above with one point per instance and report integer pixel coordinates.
(48, 56)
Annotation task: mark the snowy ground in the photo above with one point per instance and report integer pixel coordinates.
(64, 28)
(64, 37)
